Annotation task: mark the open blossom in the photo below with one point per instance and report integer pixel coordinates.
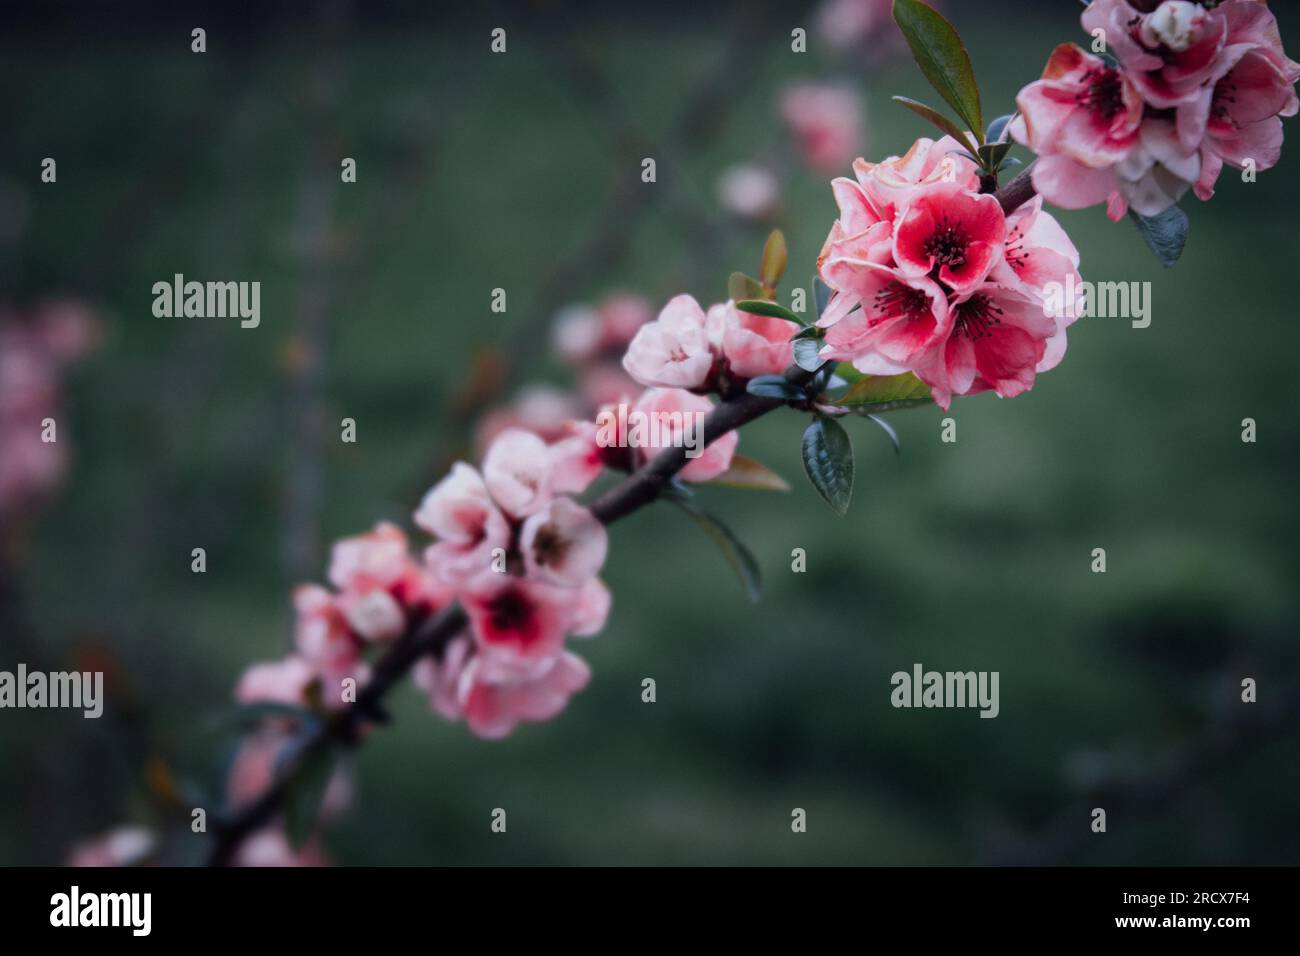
(686, 346)
(930, 276)
(460, 512)
(491, 705)
(1196, 87)
(674, 350)
(563, 543)
(825, 122)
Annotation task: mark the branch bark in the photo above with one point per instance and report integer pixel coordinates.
(432, 635)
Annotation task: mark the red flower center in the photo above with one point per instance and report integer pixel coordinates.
(1103, 93)
(897, 299)
(947, 245)
(511, 616)
(976, 317)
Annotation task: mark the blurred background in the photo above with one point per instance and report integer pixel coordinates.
(522, 171)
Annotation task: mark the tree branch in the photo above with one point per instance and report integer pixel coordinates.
(433, 634)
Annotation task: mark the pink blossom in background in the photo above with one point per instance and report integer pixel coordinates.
(749, 192)
(123, 846)
(826, 124)
(35, 348)
(866, 25)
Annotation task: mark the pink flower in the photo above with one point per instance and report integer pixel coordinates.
(271, 847)
(365, 562)
(1038, 259)
(280, 682)
(591, 610)
(517, 472)
(882, 187)
(755, 344)
(955, 232)
(518, 620)
(673, 411)
(901, 319)
(576, 459)
(749, 192)
(674, 350)
(322, 634)
(440, 679)
(122, 846)
(825, 122)
(563, 544)
(1169, 52)
(998, 337)
(460, 512)
(373, 615)
(493, 708)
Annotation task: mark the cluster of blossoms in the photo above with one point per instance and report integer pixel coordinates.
(929, 276)
(1193, 86)
(34, 349)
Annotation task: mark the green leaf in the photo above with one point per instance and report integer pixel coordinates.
(998, 127)
(888, 429)
(872, 390)
(761, 307)
(828, 460)
(821, 294)
(806, 354)
(746, 472)
(304, 795)
(741, 286)
(738, 556)
(943, 59)
(992, 154)
(938, 119)
(1165, 233)
(773, 386)
(775, 258)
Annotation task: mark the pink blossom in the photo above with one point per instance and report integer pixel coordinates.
(460, 512)
(1039, 256)
(998, 337)
(376, 559)
(755, 344)
(322, 634)
(825, 122)
(674, 350)
(846, 24)
(576, 459)
(671, 407)
(948, 229)
(749, 192)
(591, 610)
(122, 846)
(882, 187)
(440, 679)
(518, 620)
(281, 682)
(563, 544)
(271, 848)
(517, 472)
(540, 409)
(493, 708)
(902, 318)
